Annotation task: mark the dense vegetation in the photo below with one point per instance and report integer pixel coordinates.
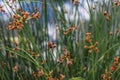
(82, 49)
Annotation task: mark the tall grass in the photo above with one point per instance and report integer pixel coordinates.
(83, 50)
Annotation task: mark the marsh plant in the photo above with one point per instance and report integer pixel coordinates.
(34, 46)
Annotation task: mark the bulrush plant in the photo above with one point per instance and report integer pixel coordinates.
(92, 47)
(69, 30)
(81, 50)
(107, 16)
(21, 18)
(66, 58)
(106, 75)
(114, 69)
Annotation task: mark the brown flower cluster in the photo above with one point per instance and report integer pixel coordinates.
(49, 76)
(107, 16)
(33, 53)
(116, 64)
(94, 7)
(16, 49)
(70, 30)
(3, 64)
(38, 73)
(15, 68)
(25, 15)
(19, 19)
(92, 47)
(116, 3)
(106, 75)
(36, 15)
(16, 24)
(1, 9)
(62, 77)
(43, 62)
(88, 37)
(75, 2)
(111, 33)
(51, 45)
(116, 32)
(66, 57)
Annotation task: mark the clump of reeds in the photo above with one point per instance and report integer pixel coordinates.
(83, 50)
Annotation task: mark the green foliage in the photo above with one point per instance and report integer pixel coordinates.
(84, 50)
(76, 78)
